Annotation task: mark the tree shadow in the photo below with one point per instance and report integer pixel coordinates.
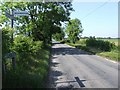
(56, 73)
(55, 43)
(54, 76)
(69, 51)
(53, 57)
(78, 50)
(54, 64)
(53, 73)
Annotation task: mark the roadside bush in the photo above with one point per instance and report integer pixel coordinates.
(67, 40)
(6, 47)
(62, 41)
(31, 64)
(25, 47)
(36, 46)
(99, 44)
(6, 40)
(82, 47)
(81, 42)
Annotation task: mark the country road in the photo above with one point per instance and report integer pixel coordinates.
(73, 68)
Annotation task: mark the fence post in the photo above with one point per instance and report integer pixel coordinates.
(12, 56)
(14, 63)
(4, 68)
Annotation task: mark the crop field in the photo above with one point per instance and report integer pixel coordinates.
(112, 40)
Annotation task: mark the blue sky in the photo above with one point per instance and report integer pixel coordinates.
(98, 19)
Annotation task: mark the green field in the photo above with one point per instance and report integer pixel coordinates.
(112, 40)
(115, 41)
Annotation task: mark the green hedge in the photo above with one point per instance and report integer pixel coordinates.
(100, 44)
(31, 64)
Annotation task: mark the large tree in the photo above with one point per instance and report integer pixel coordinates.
(74, 29)
(43, 21)
(59, 35)
(30, 34)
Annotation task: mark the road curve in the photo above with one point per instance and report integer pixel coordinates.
(74, 68)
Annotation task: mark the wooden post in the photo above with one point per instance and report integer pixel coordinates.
(4, 68)
(12, 56)
(14, 63)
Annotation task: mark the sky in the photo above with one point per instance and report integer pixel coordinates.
(99, 19)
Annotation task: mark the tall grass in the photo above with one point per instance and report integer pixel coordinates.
(32, 75)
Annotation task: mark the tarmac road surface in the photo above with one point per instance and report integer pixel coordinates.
(74, 68)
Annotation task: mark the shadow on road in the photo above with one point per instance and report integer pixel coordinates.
(53, 57)
(68, 51)
(54, 74)
(55, 43)
(54, 77)
(55, 64)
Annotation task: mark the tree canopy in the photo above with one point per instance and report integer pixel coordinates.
(30, 39)
(44, 18)
(74, 29)
(59, 35)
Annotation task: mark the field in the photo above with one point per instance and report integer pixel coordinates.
(115, 41)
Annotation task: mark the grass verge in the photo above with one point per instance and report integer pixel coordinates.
(112, 55)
